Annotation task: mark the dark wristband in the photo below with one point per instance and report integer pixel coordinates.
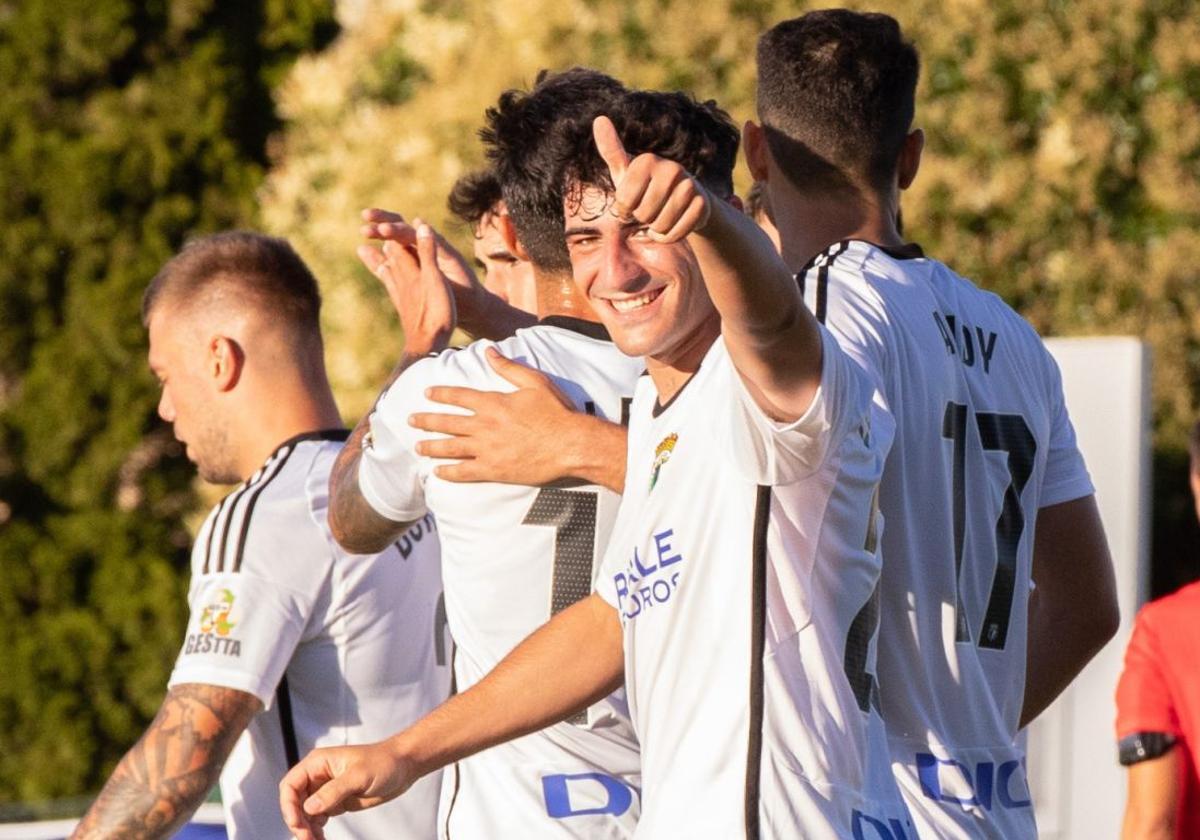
(1143, 746)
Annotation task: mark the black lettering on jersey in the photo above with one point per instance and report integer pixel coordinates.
(962, 340)
(415, 533)
(208, 643)
(626, 408)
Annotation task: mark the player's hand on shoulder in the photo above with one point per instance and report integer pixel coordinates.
(331, 781)
(416, 284)
(654, 191)
(513, 438)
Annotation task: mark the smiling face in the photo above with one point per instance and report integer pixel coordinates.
(651, 296)
(177, 358)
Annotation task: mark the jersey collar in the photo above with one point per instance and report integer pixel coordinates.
(319, 434)
(591, 329)
(907, 251)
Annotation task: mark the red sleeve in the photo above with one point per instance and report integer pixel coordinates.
(1144, 702)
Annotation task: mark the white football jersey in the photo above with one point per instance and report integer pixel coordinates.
(982, 440)
(512, 556)
(340, 648)
(743, 565)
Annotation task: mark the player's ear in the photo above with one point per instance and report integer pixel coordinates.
(508, 233)
(910, 158)
(754, 141)
(225, 362)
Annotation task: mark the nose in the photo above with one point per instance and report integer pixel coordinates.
(621, 270)
(166, 409)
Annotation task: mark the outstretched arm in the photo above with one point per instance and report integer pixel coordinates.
(773, 340)
(542, 681)
(166, 775)
(1073, 610)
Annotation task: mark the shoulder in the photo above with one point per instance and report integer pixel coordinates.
(273, 515)
(1179, 611)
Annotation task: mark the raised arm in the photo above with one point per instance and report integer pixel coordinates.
(481, 313)
(166, 775)
(542, 681)
(1073, 610)
(773, 341)
(420, 294)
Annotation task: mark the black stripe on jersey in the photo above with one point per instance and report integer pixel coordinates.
(287, 722)
(241, 546)
(457, 777)
(234, 499)
(758, 633)
(823, 280)
(212, 530)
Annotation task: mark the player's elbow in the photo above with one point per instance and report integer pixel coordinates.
(1142, 823)
(354, 540)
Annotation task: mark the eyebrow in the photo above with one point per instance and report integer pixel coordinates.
(576, 231)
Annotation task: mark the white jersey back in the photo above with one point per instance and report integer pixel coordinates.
(743, 565)
(340, 648)
(512, 556)
(982, 440)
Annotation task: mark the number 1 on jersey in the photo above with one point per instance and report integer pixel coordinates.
(572, 515)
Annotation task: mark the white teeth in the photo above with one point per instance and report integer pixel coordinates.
(629, 304)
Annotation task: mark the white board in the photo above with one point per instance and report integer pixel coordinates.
(1078, 788)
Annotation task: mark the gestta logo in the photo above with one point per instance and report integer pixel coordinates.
(215, 617)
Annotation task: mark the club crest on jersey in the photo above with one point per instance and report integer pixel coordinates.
(662, 454)
(215, 626)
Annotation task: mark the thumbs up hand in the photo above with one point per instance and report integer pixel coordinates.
(650, 190)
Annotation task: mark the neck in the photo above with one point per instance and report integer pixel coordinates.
(670, 372)
(808, 224)
(557, 295)
(284, 412)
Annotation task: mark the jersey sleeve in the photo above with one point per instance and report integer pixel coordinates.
(391, 476)
(1144, 702)
(1066, 477)
(248, 617)
(772, 453)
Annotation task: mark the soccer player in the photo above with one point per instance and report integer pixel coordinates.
(984, 492)
(513, 556)
(1158, 709)
(736, 592)
(292, 643)
(477, 200)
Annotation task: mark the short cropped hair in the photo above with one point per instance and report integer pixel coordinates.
(474, 195)
(836, 95)
(263, 270)
(698, 135)
(526, 154)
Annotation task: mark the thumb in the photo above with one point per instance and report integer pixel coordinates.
(518, 374)
(330, 798)
(610, 147)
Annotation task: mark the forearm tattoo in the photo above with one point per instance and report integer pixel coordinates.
(359, 528)
(165, 776)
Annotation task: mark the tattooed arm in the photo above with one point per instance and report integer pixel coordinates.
(166, 775)
(357, 526)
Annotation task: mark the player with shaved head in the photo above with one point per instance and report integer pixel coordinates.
(292, 643)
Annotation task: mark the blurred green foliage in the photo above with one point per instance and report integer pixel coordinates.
(124, 127)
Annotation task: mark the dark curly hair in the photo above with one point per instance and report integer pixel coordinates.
(698, 135)
(526, 154)
(474, 195)
(836, 92)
